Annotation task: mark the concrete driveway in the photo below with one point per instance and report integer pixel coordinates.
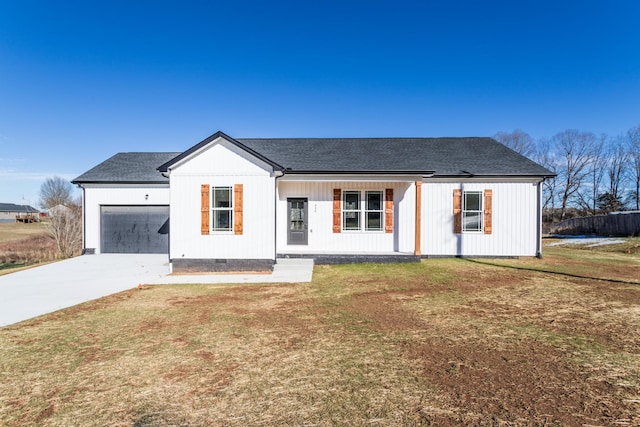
(45, 289)
(48, 288)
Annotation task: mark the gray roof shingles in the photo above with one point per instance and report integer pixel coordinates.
(128, 168)
(445, 156)
(10, 207)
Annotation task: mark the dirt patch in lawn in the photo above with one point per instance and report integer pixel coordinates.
(503, 352)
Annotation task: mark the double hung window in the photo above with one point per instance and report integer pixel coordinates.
(472, 211)
(222, 208)
(351, 210)
(373, 211)
(362, 210)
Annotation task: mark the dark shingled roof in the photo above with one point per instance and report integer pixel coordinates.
(128, 168)
(10, 207)
(443, 157)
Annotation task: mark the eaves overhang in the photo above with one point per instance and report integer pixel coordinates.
(493, 176)
(359, 172)
(164, 181)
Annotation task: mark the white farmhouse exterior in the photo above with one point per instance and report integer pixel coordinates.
(227, 204)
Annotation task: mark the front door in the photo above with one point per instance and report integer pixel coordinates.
(297, 217)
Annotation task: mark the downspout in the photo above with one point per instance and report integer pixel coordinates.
(84, 222)
(277, 174)
(539, 220)
(167, 175)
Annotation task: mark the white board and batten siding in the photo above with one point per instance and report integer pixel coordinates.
(514, 220)
(322, 238)
(222, 164)
(97, 195)
(514, 213)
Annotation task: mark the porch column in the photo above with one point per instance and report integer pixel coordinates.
(418, 217)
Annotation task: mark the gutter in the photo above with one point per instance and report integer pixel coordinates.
(79, 183)
(362, 172)
(278, 174)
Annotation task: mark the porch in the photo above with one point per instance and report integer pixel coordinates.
(326, 258)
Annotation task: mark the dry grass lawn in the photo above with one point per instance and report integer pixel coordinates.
(443, 342)
(23, 245)
(12, 231)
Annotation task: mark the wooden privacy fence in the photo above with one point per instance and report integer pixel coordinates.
(616, 224)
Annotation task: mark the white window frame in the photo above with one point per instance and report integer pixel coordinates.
(467, 212)
(352, 213)
(367, 210)
(215, 209)
(362, 211)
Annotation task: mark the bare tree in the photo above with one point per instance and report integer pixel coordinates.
(546, 156)
(519, 141)
(575, 150)
(65, 215)
(633, 137)
(616, 167)
(591, 188)
(55, 191)
(65, 226)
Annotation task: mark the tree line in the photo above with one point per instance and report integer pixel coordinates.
(595, 174)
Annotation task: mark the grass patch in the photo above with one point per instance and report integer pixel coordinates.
(24, 245)
(7, 266)
(441, 342)
(11, 231)
(601, 262)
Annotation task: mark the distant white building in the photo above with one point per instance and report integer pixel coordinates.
(59, 210)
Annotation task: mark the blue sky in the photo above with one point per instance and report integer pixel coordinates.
(81, 81)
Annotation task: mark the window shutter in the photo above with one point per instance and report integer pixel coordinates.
(488, 195)
(237, 209)
(388, 210)
(204, 209)
(337, 196)
(457, 211)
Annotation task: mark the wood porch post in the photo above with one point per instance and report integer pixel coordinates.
(418, 217)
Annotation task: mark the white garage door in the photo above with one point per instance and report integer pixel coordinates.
(134, 229)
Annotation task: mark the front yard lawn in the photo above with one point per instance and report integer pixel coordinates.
(443, 342)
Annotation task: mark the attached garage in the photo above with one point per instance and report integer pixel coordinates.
(134, 229)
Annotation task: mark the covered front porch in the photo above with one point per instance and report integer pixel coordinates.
(348, 219)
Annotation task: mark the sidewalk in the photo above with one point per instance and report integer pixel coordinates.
(285, 271)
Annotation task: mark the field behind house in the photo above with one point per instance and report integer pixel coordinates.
(23, 245)
(444, 342)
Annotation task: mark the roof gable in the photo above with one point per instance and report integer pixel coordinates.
(202, 145)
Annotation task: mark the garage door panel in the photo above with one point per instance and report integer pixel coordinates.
(134, 229)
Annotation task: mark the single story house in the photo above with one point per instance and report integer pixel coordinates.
(9, 212)
(239, 204)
